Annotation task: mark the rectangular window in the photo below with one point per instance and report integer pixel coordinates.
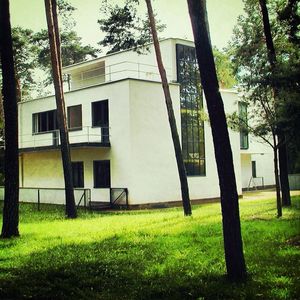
(253, 169)
(44, 121)
(102, 174)
(191, 103)
(244, 140)
(78, 174)
(75, 117)
(100, 114)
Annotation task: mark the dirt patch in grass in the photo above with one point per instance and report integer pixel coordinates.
(294, 241)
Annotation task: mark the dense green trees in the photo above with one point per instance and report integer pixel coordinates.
(124, 29)
(269, 75)
(72, 50)
(32, 51)
(24, 51)
(224, 69)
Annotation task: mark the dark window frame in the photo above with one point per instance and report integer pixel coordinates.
(244, 136)
(44, 119)
(100, 123)
(102, 182)
(253, 169)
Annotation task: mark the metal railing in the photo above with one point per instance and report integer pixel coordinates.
(84, 134)
(40, 196)
(118, 197)
(118, 71)
(86, 197)
(254, 184)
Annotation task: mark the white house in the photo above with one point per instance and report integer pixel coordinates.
(120, 138)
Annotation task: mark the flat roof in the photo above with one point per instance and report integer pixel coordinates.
(93, 60)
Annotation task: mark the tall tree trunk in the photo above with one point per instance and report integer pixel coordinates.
(233, 245)
(11, 159)
(282, 149)
(176, 142)
(276, 173)
(50, 6)
(284, 174)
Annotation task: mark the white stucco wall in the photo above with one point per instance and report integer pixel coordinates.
(262, 153)
(153, 169)
(155, 174)
(264, 168)
(44, 170)
(246, 169)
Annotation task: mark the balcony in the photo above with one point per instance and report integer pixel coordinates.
(78, 137)
(98, 73)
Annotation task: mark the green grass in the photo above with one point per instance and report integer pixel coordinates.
(153, 254)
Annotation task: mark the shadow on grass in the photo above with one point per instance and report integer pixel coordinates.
(123, 267)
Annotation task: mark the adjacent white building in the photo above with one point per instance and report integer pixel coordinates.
(120, 138)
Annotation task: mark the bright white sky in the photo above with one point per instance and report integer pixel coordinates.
(174, 13)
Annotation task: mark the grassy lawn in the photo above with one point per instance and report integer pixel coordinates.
(153, 254)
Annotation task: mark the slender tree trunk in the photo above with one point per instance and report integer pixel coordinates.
(176, 142)
(11, 156)
(233, 245)
(276, 173)
(282, 149)
(284, 174)
(53, 32)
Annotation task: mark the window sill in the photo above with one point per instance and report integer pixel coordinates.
(75, 129)
(102, 187)
(44, 132)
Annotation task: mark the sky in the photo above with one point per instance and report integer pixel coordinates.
(174, 13)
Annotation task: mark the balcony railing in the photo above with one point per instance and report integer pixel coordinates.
(118, 71)
(82, 135)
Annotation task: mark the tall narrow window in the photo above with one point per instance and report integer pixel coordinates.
(75, 117)
(100, 118)
(253, 169)
(244, 141)
(78, 174)
(191, 103)
(102, 174)
(100, 114)
(44, 121)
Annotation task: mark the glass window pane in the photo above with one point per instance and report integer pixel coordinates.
(102, 174)
(44, 121)
(75, 117)
(100, 113)
(191, 103)
(78, 174)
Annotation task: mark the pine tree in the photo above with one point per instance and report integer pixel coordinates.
(234, 256)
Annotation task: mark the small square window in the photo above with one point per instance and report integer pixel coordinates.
(75, 117)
